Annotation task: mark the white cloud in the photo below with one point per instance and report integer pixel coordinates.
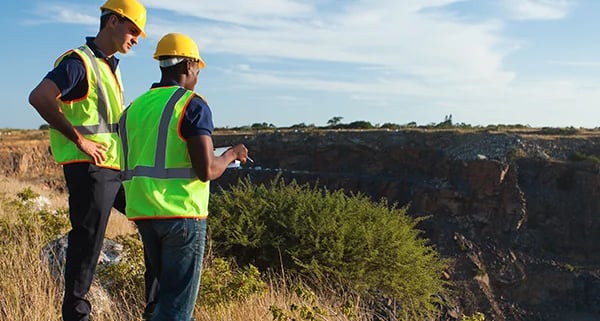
(64, 13)
(386, 50)
(538, 9)
(259, 13)
(382, 52)
(395, 36)
(390, 35)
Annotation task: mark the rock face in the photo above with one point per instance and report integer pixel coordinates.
(519, 218)
(518, 213)
(26, 155)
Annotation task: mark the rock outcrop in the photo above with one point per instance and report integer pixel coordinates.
(55, 253)
(517, 215)
(517, 212)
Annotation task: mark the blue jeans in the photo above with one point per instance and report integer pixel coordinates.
(175, 250)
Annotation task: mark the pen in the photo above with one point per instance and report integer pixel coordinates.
(250, 159)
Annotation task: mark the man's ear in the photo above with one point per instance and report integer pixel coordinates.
(113, 20)
(190, 67)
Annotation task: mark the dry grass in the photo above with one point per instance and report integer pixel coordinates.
(290, 296)
(257, 308)
(118, 224)
(28, 291)
(11, 186)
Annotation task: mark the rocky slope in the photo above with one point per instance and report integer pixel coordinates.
(518, 212)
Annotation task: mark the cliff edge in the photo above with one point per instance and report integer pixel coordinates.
(517, 212)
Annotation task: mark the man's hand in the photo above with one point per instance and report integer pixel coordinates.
(95, 150)
(241, 152)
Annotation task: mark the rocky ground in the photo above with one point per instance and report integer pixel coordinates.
(517, 211)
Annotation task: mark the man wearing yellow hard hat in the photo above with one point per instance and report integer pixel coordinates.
(168, 163)
(82, 100)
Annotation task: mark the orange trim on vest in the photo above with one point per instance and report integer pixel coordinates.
(146, 218)
(89, 162)
(187, 103)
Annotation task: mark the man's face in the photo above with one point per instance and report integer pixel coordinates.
(125, 35)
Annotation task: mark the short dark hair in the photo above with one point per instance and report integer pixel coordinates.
(106, 15)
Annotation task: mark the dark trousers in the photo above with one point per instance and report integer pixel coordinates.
(151, 287)
(93, 191)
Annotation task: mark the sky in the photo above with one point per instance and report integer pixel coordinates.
(288, 62)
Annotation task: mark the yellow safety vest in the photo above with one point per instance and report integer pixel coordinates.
(158, 177)
(95, 115)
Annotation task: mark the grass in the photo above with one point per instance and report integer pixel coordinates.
(29, 292)
(118, 224)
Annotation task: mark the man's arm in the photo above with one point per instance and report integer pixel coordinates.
(44, 98)
(208, 166)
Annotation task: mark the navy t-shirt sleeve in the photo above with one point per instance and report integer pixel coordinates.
(70, 78)
(197, 119)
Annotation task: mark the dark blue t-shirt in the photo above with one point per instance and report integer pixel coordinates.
(70, 75)
(197, 119)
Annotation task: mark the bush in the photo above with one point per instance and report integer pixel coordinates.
(33, 217)
(477, 316)
(578, 157)
(307, 310)
(374, 247)
(223, 283)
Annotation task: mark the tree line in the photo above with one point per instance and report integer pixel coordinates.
(336, 123)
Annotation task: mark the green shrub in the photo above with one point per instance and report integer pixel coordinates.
(223, 283)
(306, 310)
(27, 194)
(516, 153)
(477, 316)
(48, 223)
(577, 157)
(374, 247)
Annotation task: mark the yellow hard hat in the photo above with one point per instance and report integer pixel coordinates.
(178, 45)
(130, 9)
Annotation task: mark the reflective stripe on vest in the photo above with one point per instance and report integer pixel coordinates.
(95, 115)
(157, 171)
(102, 104)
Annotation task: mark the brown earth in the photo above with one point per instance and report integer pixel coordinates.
(517, 211)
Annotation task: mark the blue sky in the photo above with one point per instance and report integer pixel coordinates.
(285, 62)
